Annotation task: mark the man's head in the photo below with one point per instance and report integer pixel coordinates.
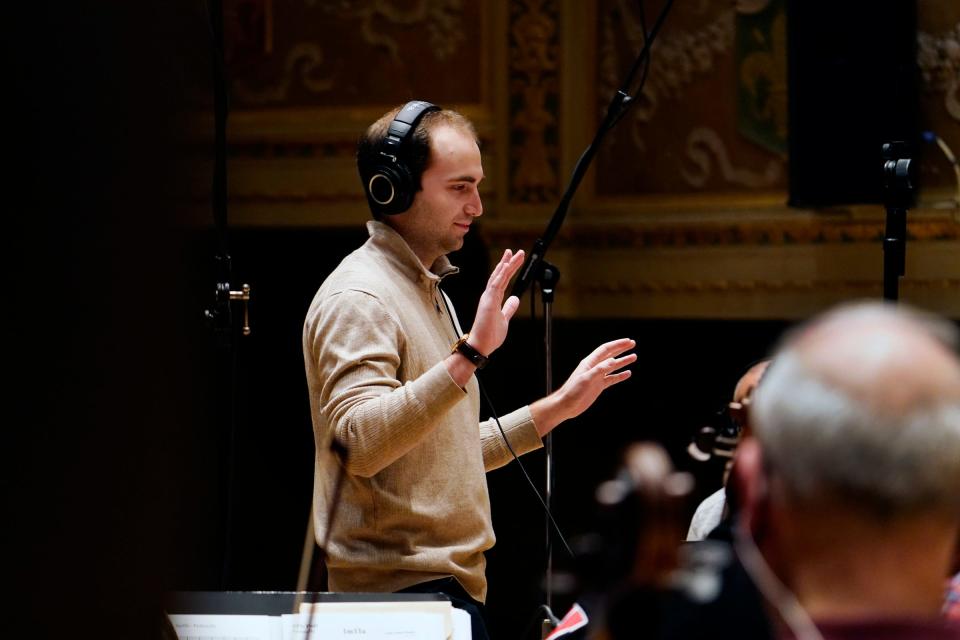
(742, 397)
(443, 158)
(738, 409)
(864, 403)
(854, 467)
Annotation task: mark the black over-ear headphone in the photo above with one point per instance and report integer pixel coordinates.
(389, 183)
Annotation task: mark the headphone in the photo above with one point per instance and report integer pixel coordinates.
(389, 183)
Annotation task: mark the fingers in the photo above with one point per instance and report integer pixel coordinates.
(611, 365)
(610, 369)
(516, 261)
(616, 378)
(510, 307)
(508, 266)
(609, 349)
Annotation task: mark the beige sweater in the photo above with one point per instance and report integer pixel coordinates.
(415, 505)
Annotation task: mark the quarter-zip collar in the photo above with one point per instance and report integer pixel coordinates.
(391, 245)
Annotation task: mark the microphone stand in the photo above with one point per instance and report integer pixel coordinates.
(310, 564)
(899, 180)
(546, 275)
(547, 281)
(219, 315)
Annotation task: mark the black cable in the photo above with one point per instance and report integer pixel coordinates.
(503, 434)
(543, 502)
(646, 63)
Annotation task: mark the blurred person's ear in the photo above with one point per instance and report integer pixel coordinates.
(749, 485)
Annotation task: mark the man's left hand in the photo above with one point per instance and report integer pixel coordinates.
(598, 371)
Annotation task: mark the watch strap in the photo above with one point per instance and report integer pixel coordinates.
(464, 348)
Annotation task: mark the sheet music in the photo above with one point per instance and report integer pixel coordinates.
(348, 621)
(226, 627)
(368, 626)
(443, 608)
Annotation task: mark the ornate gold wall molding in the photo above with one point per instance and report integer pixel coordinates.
(732, 234)
(534, 99)
(758, 286)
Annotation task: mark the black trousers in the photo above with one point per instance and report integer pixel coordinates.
(458, 598)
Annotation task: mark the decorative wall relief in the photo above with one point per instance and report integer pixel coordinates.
(303, 66)
(712, 115)
(534, 101)
(441, 18)
(938, 56)
(354, 52)
(938, 62)
(761, 50)
(680, 60)
(705, 148)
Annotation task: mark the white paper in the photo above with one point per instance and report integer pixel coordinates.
(364, 626)
(442, 608)
(462, 629)
(225, 627)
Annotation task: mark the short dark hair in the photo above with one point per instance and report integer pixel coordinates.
(417, 154)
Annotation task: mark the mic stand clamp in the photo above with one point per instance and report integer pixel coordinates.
(899, 179)
(220, 314)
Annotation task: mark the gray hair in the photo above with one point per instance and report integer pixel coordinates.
(822, 440)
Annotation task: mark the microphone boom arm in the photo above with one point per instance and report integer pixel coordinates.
(618, 106)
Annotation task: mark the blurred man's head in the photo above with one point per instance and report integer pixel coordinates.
(855, 459)
(863, 405)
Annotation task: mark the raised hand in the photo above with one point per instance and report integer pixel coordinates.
(493, 314)
(598, 371)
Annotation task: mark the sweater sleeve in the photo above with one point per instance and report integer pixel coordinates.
(355, 346)
(521, 432)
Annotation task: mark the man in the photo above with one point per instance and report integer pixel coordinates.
(849, 483)
(713, 508)
(390, 373)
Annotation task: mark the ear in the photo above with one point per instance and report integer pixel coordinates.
(750, 485)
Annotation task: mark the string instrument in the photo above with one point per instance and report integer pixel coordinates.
(719, 438)
(640, 522)
(626, 563)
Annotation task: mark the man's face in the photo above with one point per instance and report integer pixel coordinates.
(449, 201)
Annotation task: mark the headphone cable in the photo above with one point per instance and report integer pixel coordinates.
(503, 434)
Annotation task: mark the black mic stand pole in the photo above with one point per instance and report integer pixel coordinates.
(219, 315)
(546, 275)
(898, 184)
(547, 281)
(313, 564)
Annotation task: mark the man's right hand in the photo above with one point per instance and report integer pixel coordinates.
(493, 314)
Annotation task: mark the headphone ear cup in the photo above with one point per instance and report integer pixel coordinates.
(390, 186)
(389, 189)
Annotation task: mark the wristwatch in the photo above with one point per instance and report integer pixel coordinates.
(462, 347)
